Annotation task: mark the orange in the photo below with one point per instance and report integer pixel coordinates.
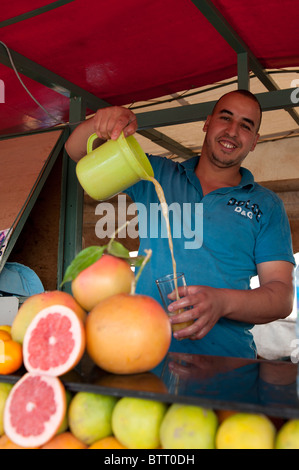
(65, 440)
(107, 443)
(6, 443)
(6, 328)
(11, 356)
(4, 335)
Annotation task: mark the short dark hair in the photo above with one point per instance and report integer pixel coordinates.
(250, 95)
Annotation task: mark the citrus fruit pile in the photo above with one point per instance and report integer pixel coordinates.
(52, 330)
(95, 421)
(53, 343)
(125, 334)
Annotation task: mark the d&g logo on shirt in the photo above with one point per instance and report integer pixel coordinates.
(246, 208)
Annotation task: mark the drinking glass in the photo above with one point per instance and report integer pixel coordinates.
(166, 285)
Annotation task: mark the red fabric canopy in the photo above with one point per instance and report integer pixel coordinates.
(124, 52)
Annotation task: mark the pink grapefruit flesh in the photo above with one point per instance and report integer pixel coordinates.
(34, 410)
(54, 341)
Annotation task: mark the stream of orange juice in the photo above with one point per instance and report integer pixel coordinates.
(161, 197)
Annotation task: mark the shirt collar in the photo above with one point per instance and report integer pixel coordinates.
(188, 166)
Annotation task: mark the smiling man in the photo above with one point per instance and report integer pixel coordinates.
(245, 230)
(231, 133)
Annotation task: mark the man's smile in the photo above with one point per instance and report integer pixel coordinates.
(227, 144)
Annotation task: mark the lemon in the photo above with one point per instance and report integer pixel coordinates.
(5, 388)
(246, 431)
(288, 435)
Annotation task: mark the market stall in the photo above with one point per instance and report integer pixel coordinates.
(195, 50)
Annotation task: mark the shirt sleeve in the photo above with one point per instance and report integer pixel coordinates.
(274, 241)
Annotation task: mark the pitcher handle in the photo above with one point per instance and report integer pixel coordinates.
(93, 137)
(90, 142)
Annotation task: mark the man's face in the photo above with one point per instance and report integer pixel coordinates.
(231, 131)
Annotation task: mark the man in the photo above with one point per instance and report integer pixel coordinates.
(245, 229)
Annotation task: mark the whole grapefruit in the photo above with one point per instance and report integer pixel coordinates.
(107, 276)
(136, 422)
(65, 423)
(34, 304)
(127, 334)
(188, 427)
(89, 416)
(246, 431)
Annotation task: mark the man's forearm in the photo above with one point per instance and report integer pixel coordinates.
(76, 143)
(264, 304)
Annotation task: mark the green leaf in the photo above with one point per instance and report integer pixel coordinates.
(117, 249)
(136, 261)
(83, 260)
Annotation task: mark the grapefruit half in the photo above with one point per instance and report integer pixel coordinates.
(34, 410)
(54, 341)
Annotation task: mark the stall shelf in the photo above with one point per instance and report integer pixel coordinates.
(218, 383)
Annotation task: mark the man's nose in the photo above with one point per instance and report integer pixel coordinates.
(232, 128)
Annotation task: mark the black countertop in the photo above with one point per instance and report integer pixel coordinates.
(257, 386)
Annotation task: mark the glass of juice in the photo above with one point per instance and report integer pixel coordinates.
(166, 285)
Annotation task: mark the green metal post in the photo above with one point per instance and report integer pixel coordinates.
(72, 199)
(243, 71)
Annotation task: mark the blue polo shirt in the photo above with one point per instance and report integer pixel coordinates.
(218, 240)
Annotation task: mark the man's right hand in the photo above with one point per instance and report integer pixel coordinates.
(107, 123)
(110, 122)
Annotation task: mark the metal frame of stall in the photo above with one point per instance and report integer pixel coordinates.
(71, 215)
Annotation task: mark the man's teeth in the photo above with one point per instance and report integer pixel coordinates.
(227, 145)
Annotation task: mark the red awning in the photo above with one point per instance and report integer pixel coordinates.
(124, 52)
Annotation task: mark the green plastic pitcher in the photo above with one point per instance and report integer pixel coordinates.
(113, 167)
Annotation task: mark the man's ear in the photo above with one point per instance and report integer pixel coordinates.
(206, 124)
(255, 142)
